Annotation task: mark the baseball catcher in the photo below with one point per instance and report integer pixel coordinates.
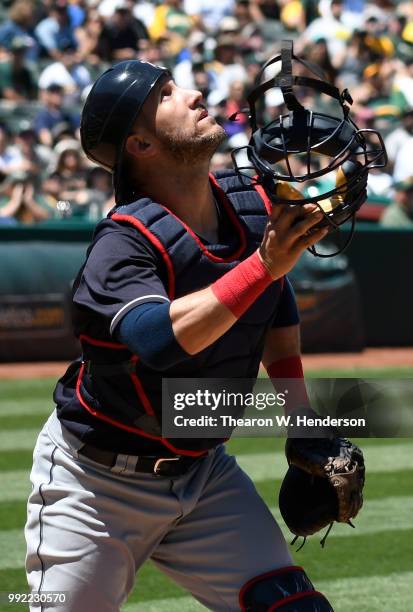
(187, 278)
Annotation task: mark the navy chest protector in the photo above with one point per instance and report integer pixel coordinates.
(114, 384)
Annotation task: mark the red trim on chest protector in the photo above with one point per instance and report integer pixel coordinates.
(156, 243)
(133, 376)
(268, 207)
(295, 597)
(261, 191)
(140, 390)
(102, 343)
(129, 428)
(231, 213)
(234, 219)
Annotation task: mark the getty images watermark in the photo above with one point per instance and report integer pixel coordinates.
(216, 401)
(205, 398)
(218, 408)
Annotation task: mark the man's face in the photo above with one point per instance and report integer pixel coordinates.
(61, 16)
(54, 98)
(26, 142)
(69, 58)
(181, 123)
(336, 9)
(122, 17)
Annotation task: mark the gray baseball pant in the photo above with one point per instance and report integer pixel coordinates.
(90, 527)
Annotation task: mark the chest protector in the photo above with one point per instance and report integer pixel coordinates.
(115, 385)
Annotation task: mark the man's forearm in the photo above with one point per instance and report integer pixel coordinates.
(282, 360)
(200, 318)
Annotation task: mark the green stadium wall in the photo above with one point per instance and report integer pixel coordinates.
(39, 264)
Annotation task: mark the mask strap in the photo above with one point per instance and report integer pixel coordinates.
(286, 80)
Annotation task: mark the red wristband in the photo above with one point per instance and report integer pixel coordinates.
(239, 288)
(287, 367)
(291, 367)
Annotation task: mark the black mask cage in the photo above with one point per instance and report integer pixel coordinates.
(321, 143)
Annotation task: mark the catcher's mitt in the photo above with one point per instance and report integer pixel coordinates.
(323, 484)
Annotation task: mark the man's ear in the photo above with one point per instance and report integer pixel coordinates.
(139, 146)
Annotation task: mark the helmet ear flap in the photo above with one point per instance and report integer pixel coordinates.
(348, 171)
(351, 183)
(350, 193)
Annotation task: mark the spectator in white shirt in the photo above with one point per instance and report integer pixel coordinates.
(71, 75)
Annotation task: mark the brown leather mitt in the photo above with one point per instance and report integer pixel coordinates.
(324, 483)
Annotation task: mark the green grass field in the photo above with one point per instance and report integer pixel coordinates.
(366, 569)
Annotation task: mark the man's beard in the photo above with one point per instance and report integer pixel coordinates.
(192, 148)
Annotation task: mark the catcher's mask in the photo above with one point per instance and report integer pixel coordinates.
(320, 143)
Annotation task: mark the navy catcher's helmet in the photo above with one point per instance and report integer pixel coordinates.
(321, 142)
(110, 110)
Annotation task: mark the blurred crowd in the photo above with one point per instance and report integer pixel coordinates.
(51, 51)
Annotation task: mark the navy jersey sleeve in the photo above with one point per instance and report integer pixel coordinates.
(121, 272)
(287, 311)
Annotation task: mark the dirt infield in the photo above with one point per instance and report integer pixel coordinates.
(370, 358)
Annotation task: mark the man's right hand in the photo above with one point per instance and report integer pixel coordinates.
(287, 234)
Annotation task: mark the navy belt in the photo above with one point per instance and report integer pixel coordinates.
(160, 466)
